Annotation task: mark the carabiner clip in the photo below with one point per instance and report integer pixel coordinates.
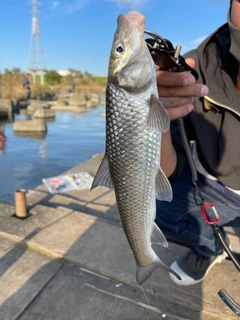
(204, 211)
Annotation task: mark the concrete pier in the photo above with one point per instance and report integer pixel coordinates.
(69, 259)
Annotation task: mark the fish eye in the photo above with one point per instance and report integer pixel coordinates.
(119, 49)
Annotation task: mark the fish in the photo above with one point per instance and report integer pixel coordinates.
(135, 120)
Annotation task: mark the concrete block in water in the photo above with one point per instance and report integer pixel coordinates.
(44, 113)
(35, 125)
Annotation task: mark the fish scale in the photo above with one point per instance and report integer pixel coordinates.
(135, 197)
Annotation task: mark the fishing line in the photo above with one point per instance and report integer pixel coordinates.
(145, 296)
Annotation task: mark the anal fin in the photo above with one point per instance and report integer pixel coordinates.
(163, 187)
(158, 237)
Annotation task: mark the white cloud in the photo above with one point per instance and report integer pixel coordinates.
(54, 5)
(187, 46)
(197, 41)
(131, 3)
(77, 5)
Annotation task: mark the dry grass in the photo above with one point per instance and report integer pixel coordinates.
(12, 86)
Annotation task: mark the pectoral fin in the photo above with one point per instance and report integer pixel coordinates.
(166, 101)
(162, 187)
(103, 175)
(158, 118)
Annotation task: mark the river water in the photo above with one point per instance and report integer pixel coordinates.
(71, 139)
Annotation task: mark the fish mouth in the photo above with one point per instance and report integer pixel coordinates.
(135, 19)
(123, 20)
(131, 67)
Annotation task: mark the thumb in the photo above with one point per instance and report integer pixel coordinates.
(190, 62)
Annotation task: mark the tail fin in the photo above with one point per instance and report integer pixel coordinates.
(144, 273)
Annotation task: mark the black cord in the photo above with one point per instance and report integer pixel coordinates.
(232, 304)
(187, 149)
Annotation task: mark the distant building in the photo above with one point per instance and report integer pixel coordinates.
(64, 73)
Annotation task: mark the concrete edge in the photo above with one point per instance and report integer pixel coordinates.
(43, 251)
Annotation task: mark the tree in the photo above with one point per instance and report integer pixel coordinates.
(79, 74)
(7, 71)
(72, 72)
(53, 77)
(75, 73)
(16, 71)
(87, 74)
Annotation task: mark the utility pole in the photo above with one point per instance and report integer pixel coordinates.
(37, 62)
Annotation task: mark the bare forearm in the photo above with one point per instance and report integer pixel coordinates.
(168, 159)
(180, 88)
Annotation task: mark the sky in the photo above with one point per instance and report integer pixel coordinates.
(78, 34)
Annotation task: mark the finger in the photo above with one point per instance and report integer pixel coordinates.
(168, 78)
(196, 90)
(177, 101)
(178, 79)
(190, 62)
(179, 112)
(2, 136)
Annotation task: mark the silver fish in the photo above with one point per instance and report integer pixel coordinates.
(135, 119)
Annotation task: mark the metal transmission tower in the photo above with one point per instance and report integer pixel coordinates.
(36, 63)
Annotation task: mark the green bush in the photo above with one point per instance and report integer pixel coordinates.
(52, 77)
(102, 81)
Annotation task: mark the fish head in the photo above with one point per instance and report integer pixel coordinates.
(130, 66)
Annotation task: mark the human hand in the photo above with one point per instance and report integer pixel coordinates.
(181, 88)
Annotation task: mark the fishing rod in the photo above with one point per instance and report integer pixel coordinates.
(166, 57)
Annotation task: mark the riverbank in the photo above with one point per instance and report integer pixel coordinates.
(70, 260)
(71, 138)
